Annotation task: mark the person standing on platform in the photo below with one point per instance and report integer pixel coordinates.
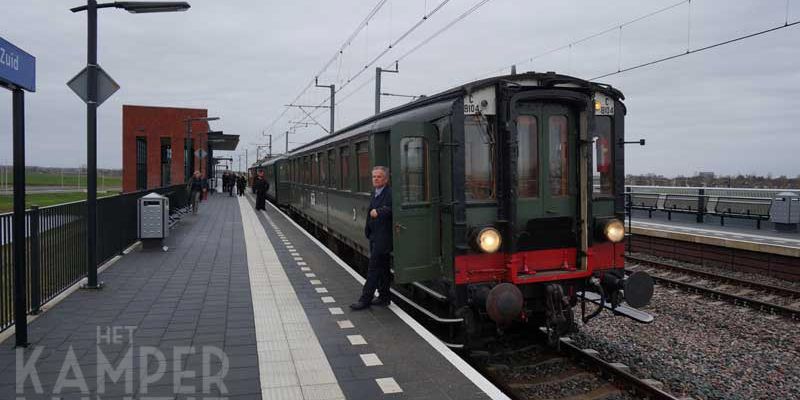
(231, 183)
(261, 186)
(378, 230)
(197, 185)
(239, 185)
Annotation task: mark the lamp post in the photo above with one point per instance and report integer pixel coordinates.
(91, 7)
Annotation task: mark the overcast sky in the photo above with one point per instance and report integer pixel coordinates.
(732, 109)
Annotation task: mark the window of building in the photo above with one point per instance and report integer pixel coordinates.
(603, 171)
(413, 168)
(166, 161)
(188, 158)
(364, 173)
(528, 156)
(344, 157)
(558, 155)
(333, 169)
(479, 162)
(141, 163)
(315, 169)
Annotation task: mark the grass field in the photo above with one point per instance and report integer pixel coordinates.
(55, 179)
(46, 199)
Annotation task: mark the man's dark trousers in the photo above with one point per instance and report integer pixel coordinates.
(379, 232)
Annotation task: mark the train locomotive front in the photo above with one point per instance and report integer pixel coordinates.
(508, 202)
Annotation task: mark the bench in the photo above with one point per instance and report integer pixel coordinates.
(644, 201)
(687, 204)
(740, 207)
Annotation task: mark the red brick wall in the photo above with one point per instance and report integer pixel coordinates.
(153, 123)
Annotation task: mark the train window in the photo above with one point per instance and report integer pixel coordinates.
(333, 170)
(558, 155)
(315, 169)
(307, 170)
(479, 162)
(413, 168)
(603, 171)
(364, 173)
(528, 159)
(282, 172)
(323, 168)
(344, 157)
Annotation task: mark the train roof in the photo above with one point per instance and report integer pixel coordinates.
(441, 101)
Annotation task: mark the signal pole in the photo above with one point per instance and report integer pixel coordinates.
(378, 71)
(332, 106)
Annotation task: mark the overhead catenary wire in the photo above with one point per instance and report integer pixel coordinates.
(425, 41)
(698, 50)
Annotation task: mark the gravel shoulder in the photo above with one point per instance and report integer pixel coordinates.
(703, 349)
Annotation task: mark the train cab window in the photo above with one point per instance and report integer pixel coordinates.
(344, 157)
(603, 171)
(364, 172)
(528, 159)
(333, 169)
(479, 162)
(414, 169)
(558, 155)
(315, 169)
(323, 168)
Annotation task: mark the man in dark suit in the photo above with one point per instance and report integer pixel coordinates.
(261, 186)
(379, 232)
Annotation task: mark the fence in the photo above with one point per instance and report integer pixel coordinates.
(56, 244)
(752, 204)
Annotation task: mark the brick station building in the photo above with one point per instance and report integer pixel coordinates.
(155, 149)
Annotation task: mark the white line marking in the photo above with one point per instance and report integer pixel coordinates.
(356, 340)
(328, 299)
(388, 385)
(321, 290)
(479, 380)
(370, 360)
(298, 258)
(336, 311)
(710, 231)
(304, 269)
(316, 282)
(301, 263)
(345, 324)
(311, 275)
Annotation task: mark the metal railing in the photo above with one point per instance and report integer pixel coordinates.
(753, 204)
(56, 244)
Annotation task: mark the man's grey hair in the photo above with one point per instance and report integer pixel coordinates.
(381, 168)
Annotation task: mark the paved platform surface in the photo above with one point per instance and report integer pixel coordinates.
(731, 231)
(243, 305)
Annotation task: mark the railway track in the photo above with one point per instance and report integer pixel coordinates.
(769, 298)
(536, 371)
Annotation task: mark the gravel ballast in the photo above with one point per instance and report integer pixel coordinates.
(703, 349)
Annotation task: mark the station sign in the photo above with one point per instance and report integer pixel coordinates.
(17, 67)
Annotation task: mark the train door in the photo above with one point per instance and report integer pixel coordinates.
(546, 173)
(415, 201)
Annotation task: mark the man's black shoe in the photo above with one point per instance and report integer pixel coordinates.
(359, 306)
(380, 301)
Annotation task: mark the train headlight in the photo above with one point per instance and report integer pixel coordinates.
(614, 230)
(489, 240)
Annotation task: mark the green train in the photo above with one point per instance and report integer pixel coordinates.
(508, 202)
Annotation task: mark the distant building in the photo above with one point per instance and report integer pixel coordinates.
(705, 175)
(156, 151)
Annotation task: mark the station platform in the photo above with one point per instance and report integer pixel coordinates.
(242, 305)
(736, 236)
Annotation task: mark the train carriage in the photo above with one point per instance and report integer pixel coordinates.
(497, 220)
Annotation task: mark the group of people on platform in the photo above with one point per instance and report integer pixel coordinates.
(231, 180)
(378, 228)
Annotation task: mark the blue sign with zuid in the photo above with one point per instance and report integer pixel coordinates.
(17, 67)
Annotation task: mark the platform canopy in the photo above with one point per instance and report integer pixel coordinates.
(220, 141)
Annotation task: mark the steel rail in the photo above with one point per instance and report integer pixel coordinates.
(782, 291)
(732, 298)
(621, 376)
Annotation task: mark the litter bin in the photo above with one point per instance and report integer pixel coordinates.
(785, 211)
(153, 213)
